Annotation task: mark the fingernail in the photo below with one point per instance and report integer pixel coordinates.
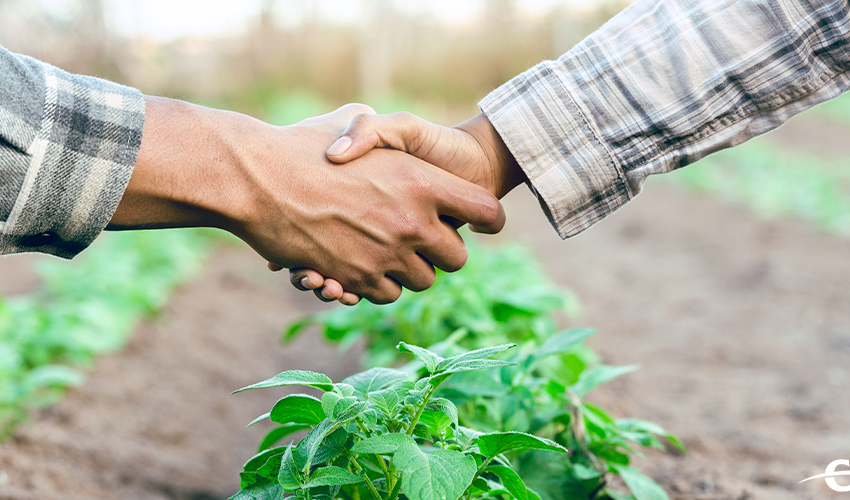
(340, 146)
(326, 294)
(305, 282)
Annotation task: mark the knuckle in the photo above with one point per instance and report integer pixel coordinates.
(457, 259)
(360, 108)
(490, 208)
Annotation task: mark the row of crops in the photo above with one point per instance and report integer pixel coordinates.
(85, 308)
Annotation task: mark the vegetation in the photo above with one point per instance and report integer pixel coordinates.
(529, 387)
(86, 308)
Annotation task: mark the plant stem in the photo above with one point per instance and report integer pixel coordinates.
(484, 465)
(368, 481)
(428, 394)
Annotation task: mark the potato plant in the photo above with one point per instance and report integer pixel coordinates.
(501, 296)
(379, 434)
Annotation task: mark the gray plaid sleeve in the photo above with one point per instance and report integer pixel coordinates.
(68, 144)
(661, 85)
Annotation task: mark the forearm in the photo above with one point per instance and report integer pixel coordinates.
(660, 86)
(190, 169)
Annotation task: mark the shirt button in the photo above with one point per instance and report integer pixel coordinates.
(40, 240)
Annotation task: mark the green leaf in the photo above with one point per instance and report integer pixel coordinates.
(263, 491)
(385, 401)
(53, 375)
(428, 358)
(563, 342)
(278, 433)
(642, 487)
(373, 380)
(259, 419)
(309, 447)
(333, 404)
(344, 390)
(289, 475)
(597, 375)
(441, 475)
(297, 409)
(259, 459)
(472, 360)
(497, 443)
(513, 483)
(635, 425)
(446, 407)
(294, 377)
(385, 444)
(436, 421)
(331, 476)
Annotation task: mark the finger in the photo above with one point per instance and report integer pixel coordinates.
(349, 299)
(417, 274)
(324, 295)
(467, 202)
(401, 131)
(332, 289)
(386, 291)
(274, 267)
(305, 279)
(446, 250)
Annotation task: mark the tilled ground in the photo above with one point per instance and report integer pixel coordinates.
(742, 328)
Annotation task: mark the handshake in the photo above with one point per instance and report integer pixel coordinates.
(354, 204)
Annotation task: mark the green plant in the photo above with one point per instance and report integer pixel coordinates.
(85, 308)
(500, 296)
(379, 434)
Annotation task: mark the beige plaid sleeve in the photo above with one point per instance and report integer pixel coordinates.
(660, 86)
(68, 144)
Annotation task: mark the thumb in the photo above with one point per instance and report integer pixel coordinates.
(401, 131)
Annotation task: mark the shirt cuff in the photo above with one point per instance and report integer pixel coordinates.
(575, 178)
(80, 162)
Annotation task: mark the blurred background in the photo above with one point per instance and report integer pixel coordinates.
(726, 280)
(282, 60)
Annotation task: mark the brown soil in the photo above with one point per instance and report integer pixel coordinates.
(740, 325)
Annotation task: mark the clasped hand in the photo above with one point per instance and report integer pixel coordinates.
(472, 151)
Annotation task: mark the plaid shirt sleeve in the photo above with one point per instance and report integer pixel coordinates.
(661, 85)
(68, 144)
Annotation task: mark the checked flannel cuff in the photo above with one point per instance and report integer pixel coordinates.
(79, 162)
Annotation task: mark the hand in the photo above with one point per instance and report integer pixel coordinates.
(372, 225)
(472, 150)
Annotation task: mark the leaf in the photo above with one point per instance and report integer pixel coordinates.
(297, 409)
(278, 433)
(385, 401)
(428, 358)
(294, 377)
(598, 375)
(635, 425)
(497, 443)
(343, 389)
(436, 421)
(373, 380)
(441, 475)
(642, 487)
(468, 359)
(446, 407)
(263, 491)
(259, 419)
(333, 404)
(563, 342)
(513, 483)
(259, 459)
(331, 476)
(53, 375)
(314, 438)
(385, 444)
(289, 475)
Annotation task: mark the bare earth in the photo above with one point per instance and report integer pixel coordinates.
(742, 328)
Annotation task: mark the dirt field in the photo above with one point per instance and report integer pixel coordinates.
(742, 328)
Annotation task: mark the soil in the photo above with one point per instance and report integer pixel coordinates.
(742, 328)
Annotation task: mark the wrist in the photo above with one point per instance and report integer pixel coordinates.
(505, 172)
